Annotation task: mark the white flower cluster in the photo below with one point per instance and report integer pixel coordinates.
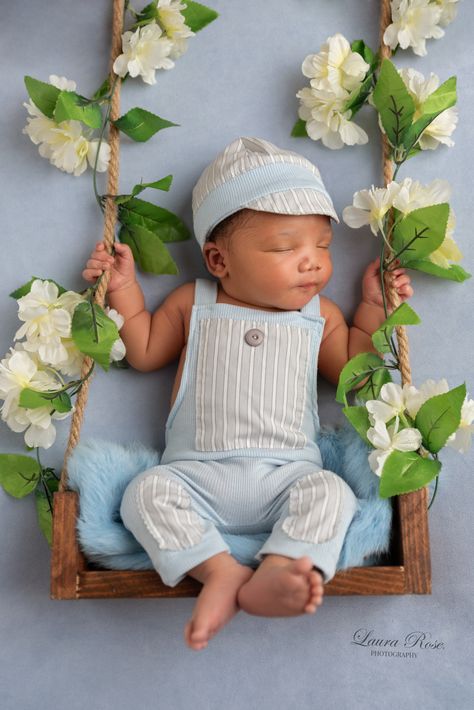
(154, 45)
(64, 144)
(336, 74)
(415, 21)
(394, 404)
(42, 359)
(370, 207)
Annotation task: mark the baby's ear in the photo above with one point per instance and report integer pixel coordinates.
(214, 256)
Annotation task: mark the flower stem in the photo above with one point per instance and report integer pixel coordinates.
(434, 492)
(101, 138)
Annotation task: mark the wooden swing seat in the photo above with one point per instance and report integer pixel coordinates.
(406, 570)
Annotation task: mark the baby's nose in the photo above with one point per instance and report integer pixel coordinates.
(310, 262)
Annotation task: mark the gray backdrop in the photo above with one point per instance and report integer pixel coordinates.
(239, 77)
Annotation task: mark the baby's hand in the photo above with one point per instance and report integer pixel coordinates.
(371, 288)
(121, 265)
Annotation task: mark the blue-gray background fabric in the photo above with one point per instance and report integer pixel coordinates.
(239, 77)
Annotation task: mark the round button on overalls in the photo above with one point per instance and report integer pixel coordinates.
(254, 337)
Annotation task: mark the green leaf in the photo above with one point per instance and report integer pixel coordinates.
(355, 371)
(93, 332)
(443, 98)
(371, 389)
(299, 129)
(197, 16)
(140, 125)
(72, 107)
(163, 184)
(453, 273)
(359, 418)
(19, 475)
(393, 102)
(406, 471)
(26, 288)
(43, 509)
(32, 399)
(148, 250)
(359, 97)
(420, 233)
(403, 315)
(439, 417)
(102, 91)
(148, 14)
(166, 225)
(43, 95)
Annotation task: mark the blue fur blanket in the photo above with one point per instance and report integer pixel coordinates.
(101, 470)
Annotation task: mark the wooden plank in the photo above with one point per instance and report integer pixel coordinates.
(66, 559)
(415, 541)
(99, 584)
(368, 581)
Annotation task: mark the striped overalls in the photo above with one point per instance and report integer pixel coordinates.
(240, 452)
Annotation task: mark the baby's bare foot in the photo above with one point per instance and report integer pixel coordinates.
(216, 604)
(284, 588)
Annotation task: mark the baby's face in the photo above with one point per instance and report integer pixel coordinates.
(276, 261)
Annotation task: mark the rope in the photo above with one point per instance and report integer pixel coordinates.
(110, 219)
(393, 297)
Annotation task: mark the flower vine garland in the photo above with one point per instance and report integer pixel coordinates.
(40, 375)
(406, 426)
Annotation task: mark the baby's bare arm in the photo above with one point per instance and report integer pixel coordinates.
(340, 342)
(152, 341)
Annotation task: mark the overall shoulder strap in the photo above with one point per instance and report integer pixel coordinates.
(205, 292)
(312, 308)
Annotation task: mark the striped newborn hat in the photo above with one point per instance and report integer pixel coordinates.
(254, 173)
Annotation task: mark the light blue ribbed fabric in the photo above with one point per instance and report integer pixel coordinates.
(205, 487)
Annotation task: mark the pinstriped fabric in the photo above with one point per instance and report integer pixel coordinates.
(248, 397)
(316, 504)
(240, 156)
(303, 201)
(165, 508)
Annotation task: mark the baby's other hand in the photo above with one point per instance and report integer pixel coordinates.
(371, 288)
(121, 265)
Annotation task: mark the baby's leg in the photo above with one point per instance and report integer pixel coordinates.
(158, 509)
(221, 576)
(303, 548)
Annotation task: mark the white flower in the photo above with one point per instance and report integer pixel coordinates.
(335, 67)
(448, 11)
(326, 120)
(443, 126)
(144, 51)
(61, 83)
(64, 144)
(104, 155)
(393, 401)
(370, 207)
(118, 348)
(449, 250)
(461, 439)
(47, 321)
(385, 440)
(19, 371)
(172, 22)
(413, 22)
(412, 195)
(430, 388)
